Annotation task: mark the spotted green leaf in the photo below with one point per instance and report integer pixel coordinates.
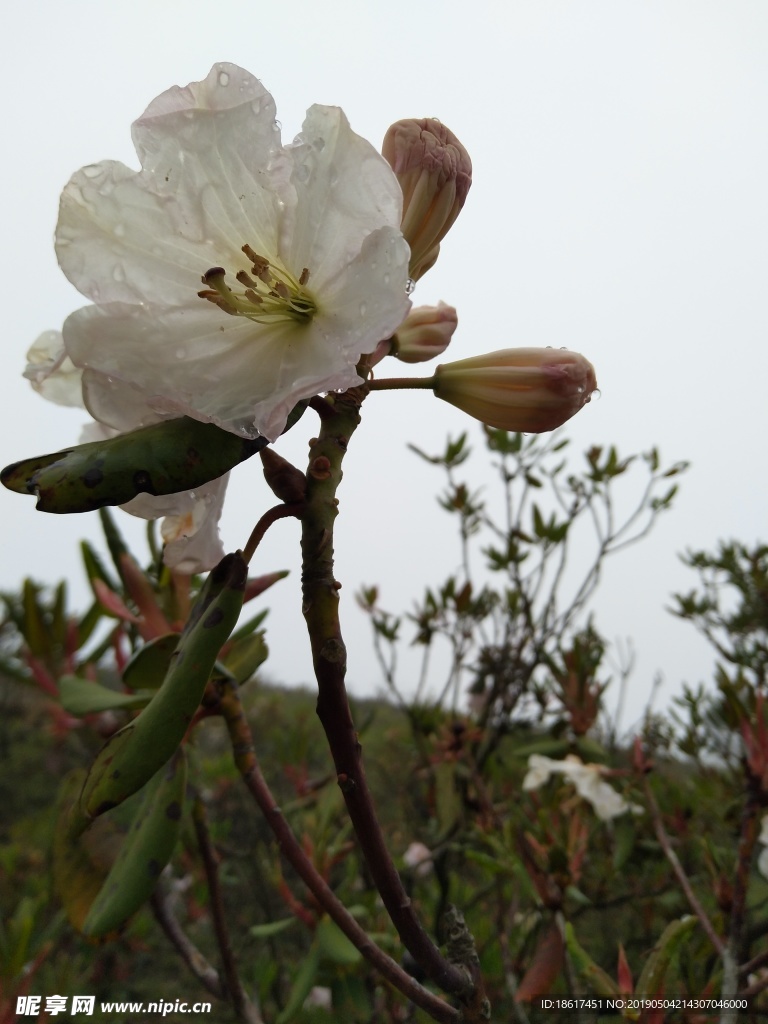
(134, 754)
(145, 850)
(176, 455)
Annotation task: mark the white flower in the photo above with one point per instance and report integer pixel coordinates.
(586, 778)
(232, 276)
(762, 860)
(190, 529)
(418, 857)
(320, 996)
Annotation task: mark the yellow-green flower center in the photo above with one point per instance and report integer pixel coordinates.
(268, 294)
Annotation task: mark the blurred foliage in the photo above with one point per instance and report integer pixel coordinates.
(585, 863)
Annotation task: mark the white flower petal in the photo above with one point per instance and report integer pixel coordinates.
(539, 770)
(212, 181)
(191, 527)
(586, 778)
(52, 373)
(186, 362)
(345, 189)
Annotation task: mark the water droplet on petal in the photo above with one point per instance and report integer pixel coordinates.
(92, 171)
(118, 272)
(223, 79)
(410, 286)
(363, 308)
(386, 279)
(119, 230)
(180, 352)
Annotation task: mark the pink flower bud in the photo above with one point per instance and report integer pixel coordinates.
(425, 333)
(525, 389)
(435, 172)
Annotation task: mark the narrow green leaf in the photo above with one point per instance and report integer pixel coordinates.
(82, 697)
(149, 665)
(133, 755)
(671, 941)
(598, 980)
(302, 985)
(175, 455)
(245, 656)
(145, 850)
(266, 931)
(34, 629)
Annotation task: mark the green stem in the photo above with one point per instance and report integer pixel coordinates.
(401, 383)
(321, 612)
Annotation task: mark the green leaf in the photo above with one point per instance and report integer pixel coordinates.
(176, 455)
(145, 850)
(148, 667)
(598, 980)
(302, 985)
(245, 656)
(35, 631)
(133, 755)
(671, 941)
(82, 697)
(266, 931)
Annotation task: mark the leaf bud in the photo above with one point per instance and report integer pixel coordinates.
(287, 482)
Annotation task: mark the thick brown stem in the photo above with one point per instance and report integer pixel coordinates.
(320, 607)
(248, 766)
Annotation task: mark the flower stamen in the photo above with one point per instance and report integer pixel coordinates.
(270, 293)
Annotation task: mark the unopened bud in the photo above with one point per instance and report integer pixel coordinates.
(521, 389)
(287, 482)
(435, 172)
(425, 333)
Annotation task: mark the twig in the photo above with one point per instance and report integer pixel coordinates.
(320, 607)
(270, 516)
(680, 874)
(190, 954)
(243, 1006)
(248, 766)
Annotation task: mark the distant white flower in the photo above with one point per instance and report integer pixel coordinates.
(319, 996)
(586, 778)
(190, 529)
(762, 860)
(418, 857)
(232, 276)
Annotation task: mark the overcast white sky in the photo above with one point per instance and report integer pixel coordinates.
(619, 208)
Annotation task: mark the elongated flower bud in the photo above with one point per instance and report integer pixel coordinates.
(527, 389)
(425, 333)
(435, 172)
